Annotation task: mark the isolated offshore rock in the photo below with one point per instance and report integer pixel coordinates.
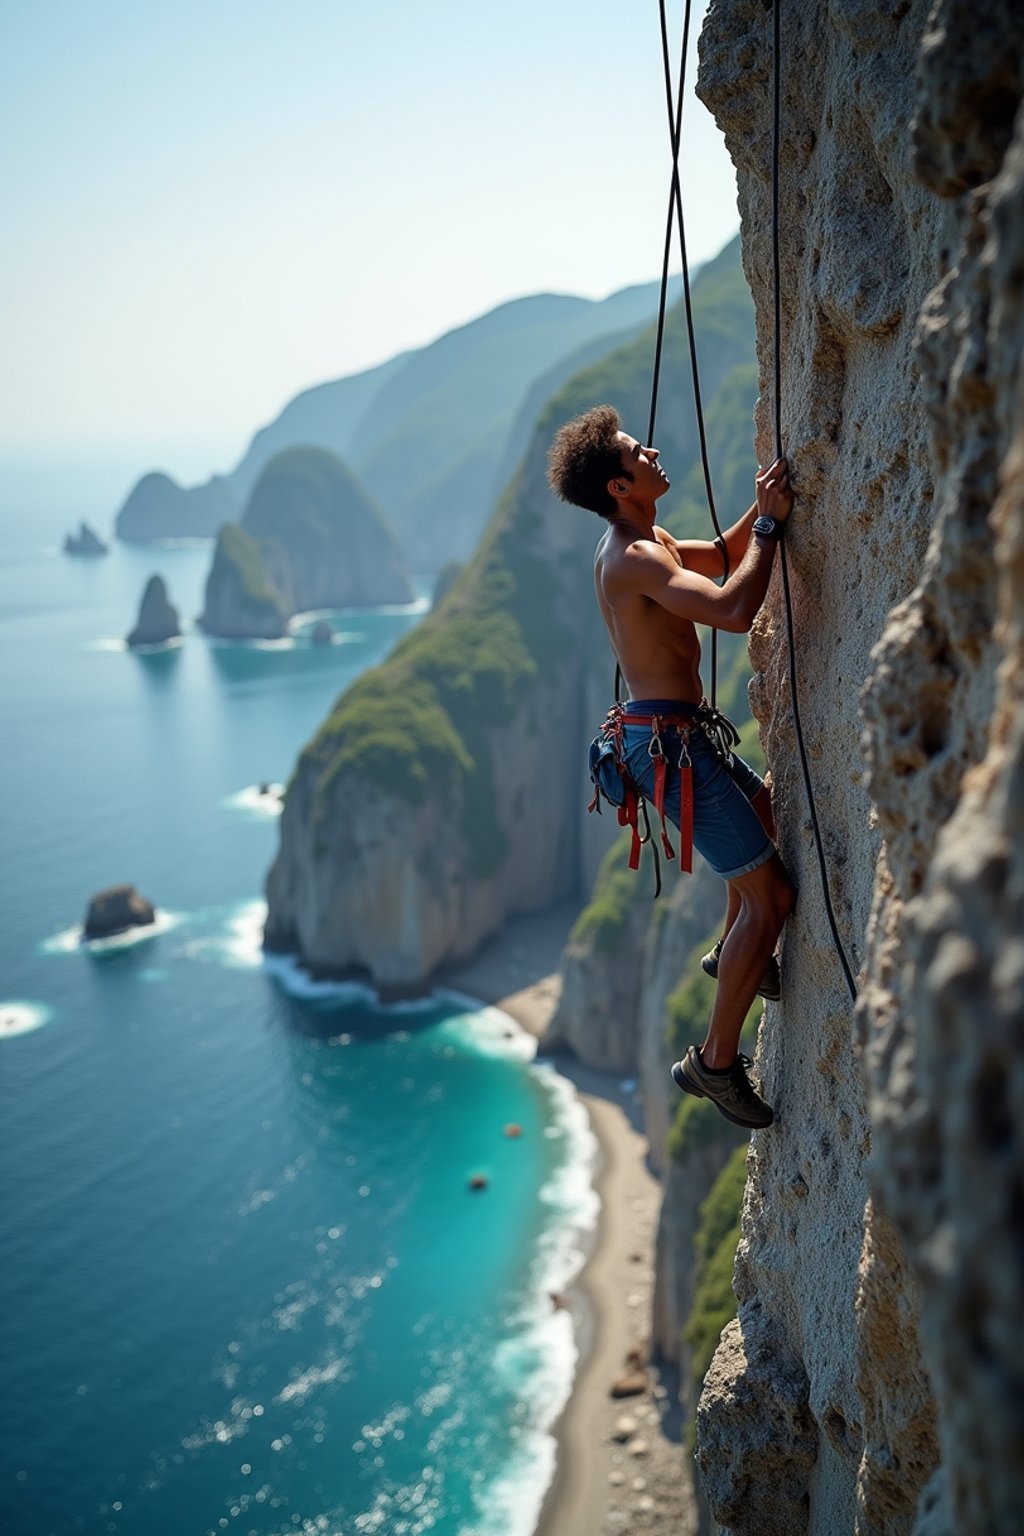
(895, 1298)
(115, 910)
(158, 618)
(85, 542)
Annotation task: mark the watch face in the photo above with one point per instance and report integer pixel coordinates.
(766, 525)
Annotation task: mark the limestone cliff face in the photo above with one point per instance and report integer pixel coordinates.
(878, 1325)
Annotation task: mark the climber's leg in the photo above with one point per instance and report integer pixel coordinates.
(765, 896)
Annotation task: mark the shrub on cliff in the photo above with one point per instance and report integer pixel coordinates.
(717, 1237)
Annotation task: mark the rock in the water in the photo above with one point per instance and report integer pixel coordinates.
(325, 544)
(115, 910)
(322, 633)
(159, 508)
(158, 618)
(241, 602)
(85, 542)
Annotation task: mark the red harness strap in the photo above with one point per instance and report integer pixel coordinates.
(629, 811)
(657, 753)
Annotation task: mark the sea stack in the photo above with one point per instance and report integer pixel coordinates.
(242, 602)
(115, 910)
(158, 618)
(85, 542)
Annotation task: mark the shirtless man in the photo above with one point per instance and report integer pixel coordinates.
(652, 590)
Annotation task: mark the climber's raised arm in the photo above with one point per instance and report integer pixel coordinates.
(704, 556)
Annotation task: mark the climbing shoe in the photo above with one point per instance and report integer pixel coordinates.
(771, 982)
(730, 1091)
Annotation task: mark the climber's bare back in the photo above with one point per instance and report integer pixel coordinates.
(658, 651)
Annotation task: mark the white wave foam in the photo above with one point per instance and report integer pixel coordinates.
(107, 643)
(70, 940)
(157, 646)
(240, 945)
(540, 1360)
(487, 1030)
(18, 1017)
(297, 982)
(227, 642)
(289, 972)
(256, 800)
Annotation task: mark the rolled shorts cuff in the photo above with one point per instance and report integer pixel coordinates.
(747, 869)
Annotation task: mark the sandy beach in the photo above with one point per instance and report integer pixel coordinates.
(622, 1463)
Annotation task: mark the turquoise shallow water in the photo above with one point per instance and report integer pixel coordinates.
(243, 1282)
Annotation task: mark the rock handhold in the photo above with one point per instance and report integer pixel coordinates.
(116, 910)
(85, 542)
(158, 618)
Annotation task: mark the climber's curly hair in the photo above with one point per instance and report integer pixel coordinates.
(584, 456)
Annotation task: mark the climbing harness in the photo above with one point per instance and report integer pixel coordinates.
(612, 780)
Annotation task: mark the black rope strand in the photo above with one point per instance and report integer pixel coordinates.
(777, 409)
(675, 128)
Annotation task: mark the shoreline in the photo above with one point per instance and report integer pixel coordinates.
(620, 1464)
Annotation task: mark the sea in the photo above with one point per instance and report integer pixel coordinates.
(246, 1281)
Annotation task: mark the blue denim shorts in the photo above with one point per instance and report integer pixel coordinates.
(727, 831)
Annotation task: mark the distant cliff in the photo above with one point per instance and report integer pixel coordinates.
(310, 537)
(159, 508)
(464, 752)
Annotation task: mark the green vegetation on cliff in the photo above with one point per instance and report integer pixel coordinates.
(421, 720)
(717, 1237)
(617, 891)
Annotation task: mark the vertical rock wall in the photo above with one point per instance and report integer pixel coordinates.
(782, 1433)
(944, 1004)
(878, 1329)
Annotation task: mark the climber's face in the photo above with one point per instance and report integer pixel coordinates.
(649, 480)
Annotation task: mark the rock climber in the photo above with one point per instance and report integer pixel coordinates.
(653, 590)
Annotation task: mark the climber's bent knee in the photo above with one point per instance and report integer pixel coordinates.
(768, 889)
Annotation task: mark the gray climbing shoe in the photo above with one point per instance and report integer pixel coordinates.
(730, 1092)
(771, 982)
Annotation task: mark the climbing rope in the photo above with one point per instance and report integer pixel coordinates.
(777, 416)
(674, 106)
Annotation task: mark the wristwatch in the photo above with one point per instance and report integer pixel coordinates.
(768, 528)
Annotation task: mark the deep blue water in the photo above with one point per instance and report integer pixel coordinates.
(244, 1284)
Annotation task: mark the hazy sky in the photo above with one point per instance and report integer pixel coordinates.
(212, 204)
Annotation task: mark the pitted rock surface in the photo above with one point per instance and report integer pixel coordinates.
(889, 1288)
